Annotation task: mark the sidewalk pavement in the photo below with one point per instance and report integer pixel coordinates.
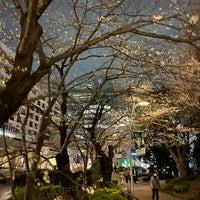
(5, 192)
(142, 191)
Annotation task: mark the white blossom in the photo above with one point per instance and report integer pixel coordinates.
(162, 62)
(156, 18)
(158, 53)
(193, 19)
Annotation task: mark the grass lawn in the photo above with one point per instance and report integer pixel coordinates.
(183, 188)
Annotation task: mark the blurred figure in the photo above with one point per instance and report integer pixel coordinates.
(126, 175)
(155, 185)
(121, 177)
(134, 176)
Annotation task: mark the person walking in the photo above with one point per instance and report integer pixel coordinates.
(135, 176)
(155, 185)
(126, 175)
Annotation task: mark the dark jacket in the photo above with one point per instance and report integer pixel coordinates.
(155, 182)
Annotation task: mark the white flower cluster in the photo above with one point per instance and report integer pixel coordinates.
(156, 18)
(2, 24)
(193, 19)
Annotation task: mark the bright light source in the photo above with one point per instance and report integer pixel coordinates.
(143, 103)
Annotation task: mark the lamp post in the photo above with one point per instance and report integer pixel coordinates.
(142, 103)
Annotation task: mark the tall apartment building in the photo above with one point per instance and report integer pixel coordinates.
(12, 128)
(13, 125)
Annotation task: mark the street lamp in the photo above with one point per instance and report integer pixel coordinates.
(142, 103)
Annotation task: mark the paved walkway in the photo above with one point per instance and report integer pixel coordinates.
(142, 191)
(4, 192)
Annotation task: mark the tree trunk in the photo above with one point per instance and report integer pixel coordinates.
(62, 158)
(30, 177)
(63, 165)
(182, 168)
(22, 79)
(106, 170)
(179, 155)
(29, 187)
(105, 162)
(196, 153)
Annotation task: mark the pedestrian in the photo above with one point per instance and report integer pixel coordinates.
(126, 175)
(135, 176)
(155, 185)
(121, 177)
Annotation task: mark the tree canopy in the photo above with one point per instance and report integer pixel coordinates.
(89, 33)
(147, 50)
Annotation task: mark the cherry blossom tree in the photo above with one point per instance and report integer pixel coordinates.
(86, 36)
(81, 30)
(174, 117)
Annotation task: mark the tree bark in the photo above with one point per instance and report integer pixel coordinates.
(30, 177)
(29, 186)
(62, 158)
(179, 155)
(63, 165)
(105, 162)
(21, 81)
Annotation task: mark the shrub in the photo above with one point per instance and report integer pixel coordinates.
(20, 177)
(92, 175)
(109, 184)
(188, 196)
(19, 191)
(107, 194)
(42, 193)
(54, 177)
(182, 187)
(120, 169)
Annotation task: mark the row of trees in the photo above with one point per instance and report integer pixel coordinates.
(125, 48)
